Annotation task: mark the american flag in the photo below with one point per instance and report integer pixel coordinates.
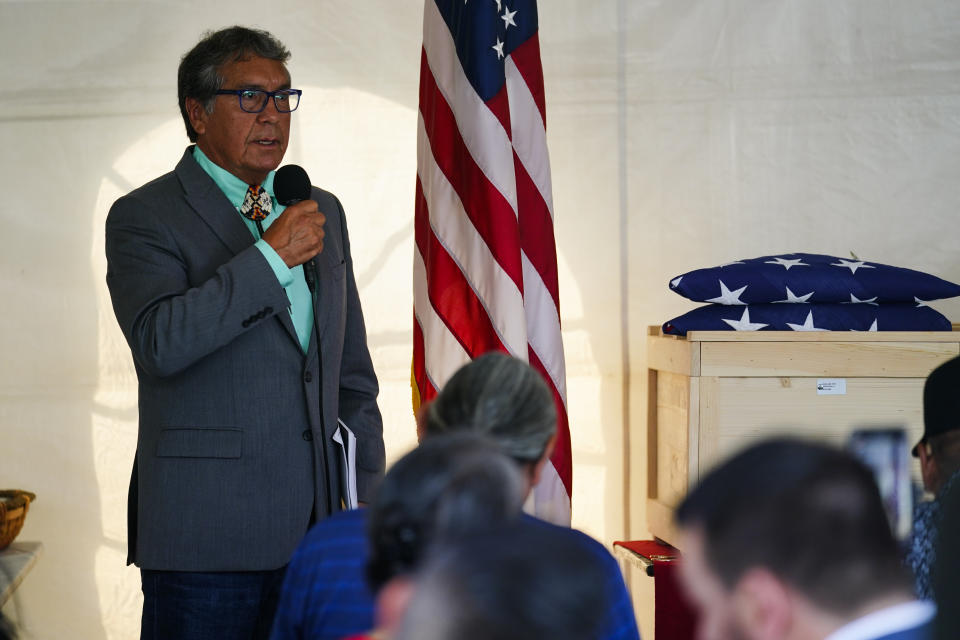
(485, 264)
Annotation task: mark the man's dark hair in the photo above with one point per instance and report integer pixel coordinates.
(523, 581)
(810, 514)
(501, 397)
(449, 486)
(199, 74)
(941, 418)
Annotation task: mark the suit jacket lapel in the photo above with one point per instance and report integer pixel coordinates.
(208, 201)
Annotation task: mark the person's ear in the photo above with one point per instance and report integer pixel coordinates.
(393, 599)
(929, 470)
(197, 114)
(763, 605)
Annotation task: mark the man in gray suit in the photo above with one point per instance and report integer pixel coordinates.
(245, 371)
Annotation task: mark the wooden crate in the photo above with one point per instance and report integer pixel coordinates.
(714, 392)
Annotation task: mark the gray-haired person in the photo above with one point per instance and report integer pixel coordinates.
(497, 396)
(504, 399)
(235, 455)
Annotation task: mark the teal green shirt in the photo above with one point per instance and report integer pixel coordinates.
(292, 280)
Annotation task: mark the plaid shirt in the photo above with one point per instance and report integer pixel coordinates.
(922, 553)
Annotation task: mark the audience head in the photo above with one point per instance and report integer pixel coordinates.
(520, 582)
(784, 537)
(939, 449)
(449, 486)
(502, 398)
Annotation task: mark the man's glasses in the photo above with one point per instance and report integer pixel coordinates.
(255, 100)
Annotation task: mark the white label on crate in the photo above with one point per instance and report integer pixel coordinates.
(831, 387)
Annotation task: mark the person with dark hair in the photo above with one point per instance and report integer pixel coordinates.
(939, 454)
(516, 583)
(248, 370)
(447, 488)
(790, 540)
(497, 396)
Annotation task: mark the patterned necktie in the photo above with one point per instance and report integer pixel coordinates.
(256, 203)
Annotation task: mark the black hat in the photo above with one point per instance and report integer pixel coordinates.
(941, 401)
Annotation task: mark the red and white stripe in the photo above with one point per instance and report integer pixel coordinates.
(485, 265)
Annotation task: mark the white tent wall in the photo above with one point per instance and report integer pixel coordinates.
(682, 134)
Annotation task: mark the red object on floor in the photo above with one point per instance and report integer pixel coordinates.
(673, 618)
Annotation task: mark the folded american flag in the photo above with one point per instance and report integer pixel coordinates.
(810, 292)
(810, 278)
(809, 317)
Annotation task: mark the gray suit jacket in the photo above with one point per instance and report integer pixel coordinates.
(234, 448)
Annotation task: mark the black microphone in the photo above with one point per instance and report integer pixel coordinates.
(291, 185)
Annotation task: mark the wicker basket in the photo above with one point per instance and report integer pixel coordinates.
(14, 505)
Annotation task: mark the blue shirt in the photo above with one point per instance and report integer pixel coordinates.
(325, 594)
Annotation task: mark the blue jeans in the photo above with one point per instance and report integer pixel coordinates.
(187, 605)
